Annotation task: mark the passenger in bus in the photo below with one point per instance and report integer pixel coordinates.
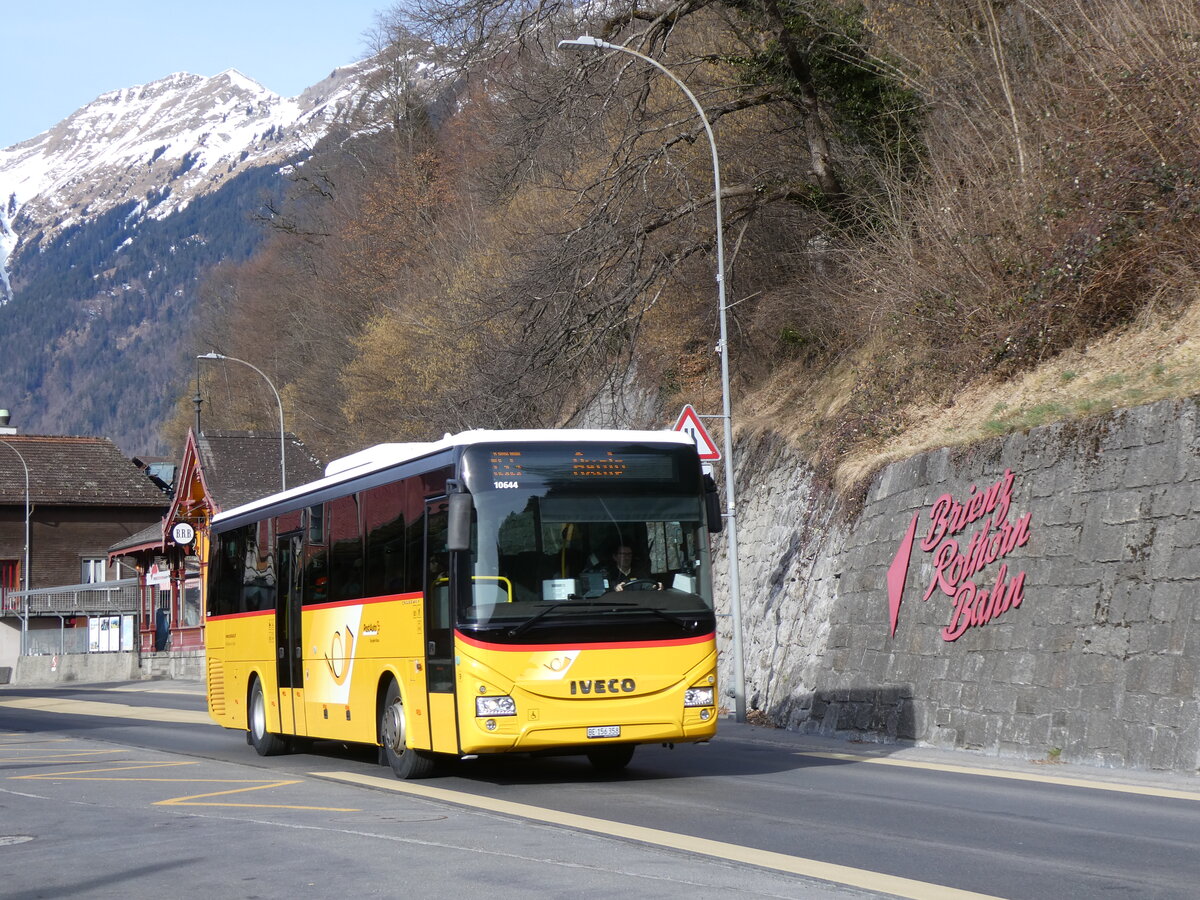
(437, 570)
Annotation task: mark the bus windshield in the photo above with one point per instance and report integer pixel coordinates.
(608, 558)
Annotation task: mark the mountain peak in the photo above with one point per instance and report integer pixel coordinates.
(241, 80)
(175, 80)
(178, 136)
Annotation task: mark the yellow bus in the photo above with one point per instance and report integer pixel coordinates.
(492, 592)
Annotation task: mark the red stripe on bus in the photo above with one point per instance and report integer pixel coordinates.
(334, 604)
(608, 645)
(242, 615)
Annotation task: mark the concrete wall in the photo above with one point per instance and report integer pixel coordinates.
(1090, 656)
(10, 640)
(98, 668)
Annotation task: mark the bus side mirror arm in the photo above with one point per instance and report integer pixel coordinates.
(458, 533)
(712, 505)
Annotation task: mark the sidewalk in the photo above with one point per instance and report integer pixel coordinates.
(190, 686)
(1025, 768)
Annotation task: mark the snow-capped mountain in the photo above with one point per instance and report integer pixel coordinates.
(109, 221)
(161, 144)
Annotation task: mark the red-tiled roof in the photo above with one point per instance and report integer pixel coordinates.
(72, 471)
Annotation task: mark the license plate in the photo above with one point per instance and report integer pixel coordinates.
(604, 731)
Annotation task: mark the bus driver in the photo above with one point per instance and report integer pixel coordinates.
(621, 571)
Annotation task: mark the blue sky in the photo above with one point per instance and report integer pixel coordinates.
(58, 55)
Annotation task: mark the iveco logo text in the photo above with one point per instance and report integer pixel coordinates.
(600, 686)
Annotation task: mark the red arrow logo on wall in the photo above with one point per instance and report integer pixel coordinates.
(898, 572)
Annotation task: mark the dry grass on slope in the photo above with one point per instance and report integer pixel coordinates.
(1150, 360)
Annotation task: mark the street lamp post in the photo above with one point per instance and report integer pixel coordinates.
(25, 567)
(282, 442)
(735, 604)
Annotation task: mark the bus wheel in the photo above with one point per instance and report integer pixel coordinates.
(263, 742)
(405, 762)
(612, 758)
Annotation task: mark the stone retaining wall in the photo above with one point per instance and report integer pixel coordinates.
(1090, 650)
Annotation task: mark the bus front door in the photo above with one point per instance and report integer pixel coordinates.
(439, 630)
(288, 646)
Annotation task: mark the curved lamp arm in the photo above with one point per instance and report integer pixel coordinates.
(282, 444)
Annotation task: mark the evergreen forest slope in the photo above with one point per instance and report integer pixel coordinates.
(95, 332)
(943, 219)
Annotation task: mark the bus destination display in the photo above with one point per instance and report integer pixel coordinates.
(509, 467)
(501, 468)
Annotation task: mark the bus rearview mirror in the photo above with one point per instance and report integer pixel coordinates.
(712, 505)
(458, 534)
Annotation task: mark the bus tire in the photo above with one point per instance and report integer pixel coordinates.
(610, 758)
(264, 742)
(406, 762)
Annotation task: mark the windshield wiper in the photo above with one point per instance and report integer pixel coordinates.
(686, 624)
(532, 620)
(689, 624)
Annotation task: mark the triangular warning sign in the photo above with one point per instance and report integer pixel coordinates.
(689, 423)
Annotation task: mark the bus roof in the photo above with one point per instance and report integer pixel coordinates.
(384, 456)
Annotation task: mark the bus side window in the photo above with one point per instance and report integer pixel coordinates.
(414, 537)
(439, 633)
(259, 587)
(226, 591)
(383, 517)
(316, 558)
(437, 584)
(345, 549)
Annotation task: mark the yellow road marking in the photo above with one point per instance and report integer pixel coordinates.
(781, 862)
(110, 710)
(195, 798)
(106, 774)
(44, 756)
(1090, 784)
(8, 741)
(76, 774)
(23, 737)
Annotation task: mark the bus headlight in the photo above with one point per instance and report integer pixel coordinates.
(497, 706)
(698, 696)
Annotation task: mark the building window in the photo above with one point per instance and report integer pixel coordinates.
(94, 571)
(191, 605)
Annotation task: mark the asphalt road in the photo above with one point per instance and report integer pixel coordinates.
(129, 790)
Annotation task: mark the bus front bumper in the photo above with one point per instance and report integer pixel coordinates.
(601, 726)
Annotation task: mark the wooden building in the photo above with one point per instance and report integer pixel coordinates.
(219, 470)
(82, 495)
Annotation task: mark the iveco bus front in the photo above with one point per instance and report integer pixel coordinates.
(561, 649)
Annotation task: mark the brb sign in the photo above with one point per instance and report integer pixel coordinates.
(965, 537)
